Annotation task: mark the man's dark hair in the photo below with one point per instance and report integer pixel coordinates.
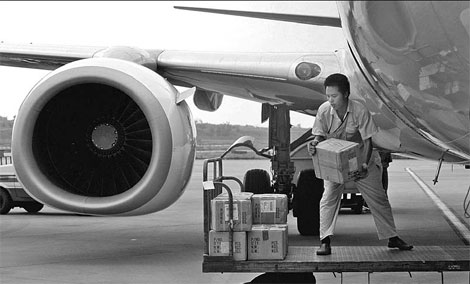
(338, 80)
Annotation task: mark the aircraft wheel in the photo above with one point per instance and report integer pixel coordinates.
(358, 207)
(5, 202)
(257, 181)
(307, 198)
(33, 207)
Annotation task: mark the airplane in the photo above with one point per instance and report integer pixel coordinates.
(107, 133)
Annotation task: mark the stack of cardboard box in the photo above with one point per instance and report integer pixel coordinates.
(259, 225)
(268, 237)
(220, 225)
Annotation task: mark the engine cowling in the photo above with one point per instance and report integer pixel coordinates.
(104, 136)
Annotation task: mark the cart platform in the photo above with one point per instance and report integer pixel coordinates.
(352, 259)
(342, 259)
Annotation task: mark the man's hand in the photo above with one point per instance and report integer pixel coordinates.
(363, 173)
(312, 147)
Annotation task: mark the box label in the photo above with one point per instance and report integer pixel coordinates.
(352, 164)
(274, 247)
(268, 206)
(235, 212)
(224, 247)
(254, 245)
(220, 246)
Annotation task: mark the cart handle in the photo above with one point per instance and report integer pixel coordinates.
(211, 185)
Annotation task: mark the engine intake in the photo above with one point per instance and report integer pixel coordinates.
(104, 136)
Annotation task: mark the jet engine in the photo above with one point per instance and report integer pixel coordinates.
(104, 136)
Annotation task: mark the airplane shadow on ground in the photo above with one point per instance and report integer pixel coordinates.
(59, 214)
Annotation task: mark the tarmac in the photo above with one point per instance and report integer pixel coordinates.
(53, 246)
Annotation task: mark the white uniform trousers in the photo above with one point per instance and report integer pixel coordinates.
(373, 193)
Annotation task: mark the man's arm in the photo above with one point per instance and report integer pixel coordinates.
(318, 139)
(368, 150)
(311, 146)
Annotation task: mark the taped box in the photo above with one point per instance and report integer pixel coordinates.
(242, 212)
(270, 208)
(267, 242)
(219, 244)
(337, 160)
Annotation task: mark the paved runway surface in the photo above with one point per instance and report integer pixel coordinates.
(166, 247)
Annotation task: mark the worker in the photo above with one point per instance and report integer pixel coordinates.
(346, 119)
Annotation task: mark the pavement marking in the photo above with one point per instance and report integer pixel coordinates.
(459, 227)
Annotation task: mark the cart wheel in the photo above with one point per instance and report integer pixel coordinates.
(257, 181)
(307, 198)
(33, 207)
(5, 202)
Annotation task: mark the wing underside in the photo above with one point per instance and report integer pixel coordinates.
(262, 77)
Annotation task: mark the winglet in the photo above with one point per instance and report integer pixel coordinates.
(302, 19)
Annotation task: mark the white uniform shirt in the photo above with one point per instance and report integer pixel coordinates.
(359, 123)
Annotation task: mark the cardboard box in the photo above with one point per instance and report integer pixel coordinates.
(270, 208)
(219, 244)
(242, 212)
(267, 242)
(337, 160)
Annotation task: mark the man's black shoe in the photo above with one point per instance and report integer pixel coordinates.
(396, 242)
(325, 249)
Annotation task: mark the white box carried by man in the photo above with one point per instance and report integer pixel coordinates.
(337, 160)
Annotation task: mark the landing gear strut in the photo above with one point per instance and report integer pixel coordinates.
(279, 141)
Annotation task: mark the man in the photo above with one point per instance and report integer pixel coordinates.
(349, 120)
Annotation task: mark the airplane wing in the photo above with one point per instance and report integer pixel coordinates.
(291, 78)
(47, 57)
(295, 79)
(129, 116)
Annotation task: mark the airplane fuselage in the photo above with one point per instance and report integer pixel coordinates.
(413, 75)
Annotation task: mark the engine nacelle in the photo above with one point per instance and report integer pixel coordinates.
(104, 136)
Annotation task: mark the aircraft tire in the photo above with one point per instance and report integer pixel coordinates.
(307, 198)
(33, 207)
(5, 202)
(358, 207)
(257, 181)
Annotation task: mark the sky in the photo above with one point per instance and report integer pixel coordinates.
(158, 25)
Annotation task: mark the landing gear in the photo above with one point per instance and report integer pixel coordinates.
(33, 207)
(279, 141)
(5, 202)
(257, 181)
(306, 203)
